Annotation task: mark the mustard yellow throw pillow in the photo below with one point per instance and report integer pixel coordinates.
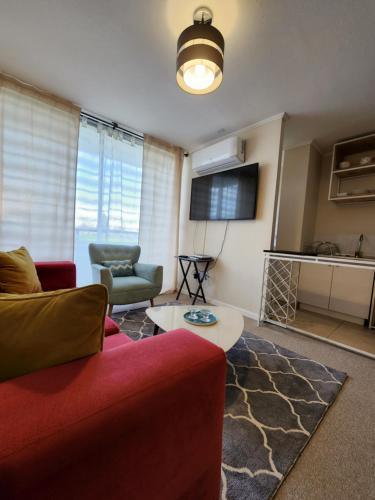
(18, 273)
(46, 329)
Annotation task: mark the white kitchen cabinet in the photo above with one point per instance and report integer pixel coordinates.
(315, 284)
(345, 290)
(351, 291)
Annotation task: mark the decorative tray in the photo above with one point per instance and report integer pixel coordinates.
(200, 317)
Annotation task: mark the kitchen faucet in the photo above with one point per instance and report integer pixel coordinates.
(359, 244)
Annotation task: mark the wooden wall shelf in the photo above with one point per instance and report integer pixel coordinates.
(355, 171)
(349, 180)
(354, 197)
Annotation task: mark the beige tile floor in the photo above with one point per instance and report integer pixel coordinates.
(352, 335)
(338, 462)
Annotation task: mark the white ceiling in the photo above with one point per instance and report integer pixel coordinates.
(314, 59)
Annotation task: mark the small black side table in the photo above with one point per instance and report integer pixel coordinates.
(190, 259)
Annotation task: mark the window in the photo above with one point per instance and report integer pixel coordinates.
(108, 191)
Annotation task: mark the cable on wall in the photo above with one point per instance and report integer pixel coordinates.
(223, 242)
(221, 247)
(194, 237)
(213, 264)
(204, 239)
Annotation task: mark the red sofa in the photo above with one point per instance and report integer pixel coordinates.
(138, 421)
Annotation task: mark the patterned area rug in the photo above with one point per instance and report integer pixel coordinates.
(275, 401)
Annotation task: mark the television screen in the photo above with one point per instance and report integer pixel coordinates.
(228, 195)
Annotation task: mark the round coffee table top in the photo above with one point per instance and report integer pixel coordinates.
(224, 333)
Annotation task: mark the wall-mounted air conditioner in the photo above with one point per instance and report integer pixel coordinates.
(225, 154)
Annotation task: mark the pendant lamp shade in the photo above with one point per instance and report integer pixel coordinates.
(200, 58)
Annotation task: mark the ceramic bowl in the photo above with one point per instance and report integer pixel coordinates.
(366, 160)
(344, 164)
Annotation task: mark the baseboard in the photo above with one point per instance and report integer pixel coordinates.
(244, 312)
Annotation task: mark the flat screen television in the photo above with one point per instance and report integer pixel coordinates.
(228, 195)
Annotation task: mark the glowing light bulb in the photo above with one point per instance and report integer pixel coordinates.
(199, 76)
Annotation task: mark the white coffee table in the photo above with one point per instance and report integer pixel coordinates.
(224, 333)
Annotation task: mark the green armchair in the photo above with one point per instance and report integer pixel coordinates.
(145, 284)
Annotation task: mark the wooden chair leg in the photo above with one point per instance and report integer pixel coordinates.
(152, 302)
(110, 308)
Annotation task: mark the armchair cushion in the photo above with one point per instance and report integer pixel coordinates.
(131, 283)
(150, 272)
(119, 268)
(18, 273)
(45, 329)
(132, 289)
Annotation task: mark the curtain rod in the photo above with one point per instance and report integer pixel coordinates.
(111, 124)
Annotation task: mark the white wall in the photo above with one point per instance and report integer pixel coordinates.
(312, 196)
(292, 197)
(237, 277)
(299, 190)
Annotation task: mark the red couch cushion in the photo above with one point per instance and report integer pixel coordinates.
(115, 341)
(56, 275)
(110, 326)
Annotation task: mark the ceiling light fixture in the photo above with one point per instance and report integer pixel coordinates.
(200, 55)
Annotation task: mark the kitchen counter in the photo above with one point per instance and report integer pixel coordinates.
(338, 260)
(340, 284)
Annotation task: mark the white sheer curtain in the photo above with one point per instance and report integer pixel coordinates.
(158, 233)
(38, 154)
(108, 193)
